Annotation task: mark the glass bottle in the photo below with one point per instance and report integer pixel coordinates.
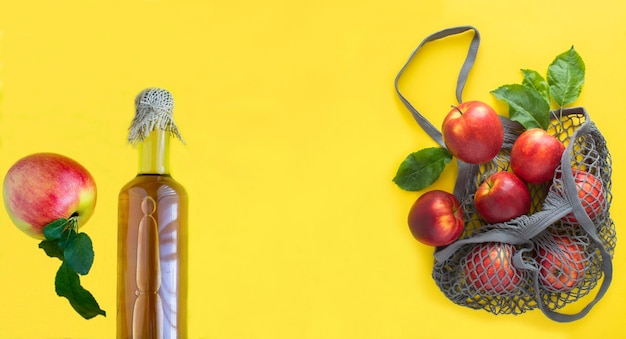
(152, 238)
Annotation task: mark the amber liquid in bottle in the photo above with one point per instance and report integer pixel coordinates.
(152, 248)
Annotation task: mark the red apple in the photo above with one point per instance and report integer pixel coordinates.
(436, 218)
(590, 192)
(502, 197)
(489, 269)
(535, 155)
(472, 132)
(561, 263)
(43, 187)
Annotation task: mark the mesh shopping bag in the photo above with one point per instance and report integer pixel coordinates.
(553, 256)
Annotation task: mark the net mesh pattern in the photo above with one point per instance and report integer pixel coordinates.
(554, 255)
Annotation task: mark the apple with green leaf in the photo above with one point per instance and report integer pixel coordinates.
(473, 132)
(50, 196)
(43, 187)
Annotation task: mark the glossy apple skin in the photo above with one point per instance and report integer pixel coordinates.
(535, 155)
(591, 194)
(502, 197)
(473, 132)
(561, 268)
(489, 269)
(43, 187)
(436, 218)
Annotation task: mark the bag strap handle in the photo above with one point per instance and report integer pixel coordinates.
(431, 130)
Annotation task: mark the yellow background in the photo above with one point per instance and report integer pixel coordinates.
(294, 133)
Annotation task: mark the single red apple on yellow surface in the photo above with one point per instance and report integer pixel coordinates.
(473, 132)
(535, 155)
(502, 197)
(561, 263)
(489, 269)
(44, 187)
(436, 218)
(590, 192)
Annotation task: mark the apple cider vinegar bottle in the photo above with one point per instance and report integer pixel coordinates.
(152, 230)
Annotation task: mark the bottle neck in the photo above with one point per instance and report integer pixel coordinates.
(154, 153)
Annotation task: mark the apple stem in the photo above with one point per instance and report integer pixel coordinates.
(457, 108)
(72, 222)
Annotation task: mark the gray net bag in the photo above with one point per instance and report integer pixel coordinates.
(555, 255)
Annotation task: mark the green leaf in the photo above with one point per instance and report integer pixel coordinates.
(67, 237)
(422, 168)
(67, 284)
(55, 229)
(534, 80)
(526, 105)
(52, 248)
(566, 76)
(79, 253)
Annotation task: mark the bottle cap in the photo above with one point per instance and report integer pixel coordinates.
(154, 108)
